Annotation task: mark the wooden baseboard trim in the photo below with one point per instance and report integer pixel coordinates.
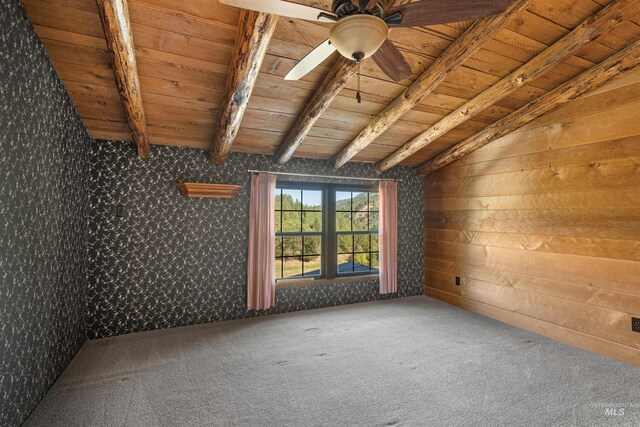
(578, 339)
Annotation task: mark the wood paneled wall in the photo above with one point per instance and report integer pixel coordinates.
(543, 225)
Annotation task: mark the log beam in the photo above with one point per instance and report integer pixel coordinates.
(595, 26)
(114, 15)
(459, 51)
(335, 80)
(254, 33)
(614, 67)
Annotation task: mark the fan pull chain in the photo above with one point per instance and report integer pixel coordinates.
(358, 97)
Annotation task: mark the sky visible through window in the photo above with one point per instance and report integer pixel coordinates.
(298, 224)
(357, 220)
(352, 237)
(311, 198)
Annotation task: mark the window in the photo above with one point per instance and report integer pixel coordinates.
(356, 215)
(299, 225)
(325, 230)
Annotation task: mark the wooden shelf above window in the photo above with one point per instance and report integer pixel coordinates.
(201, 189)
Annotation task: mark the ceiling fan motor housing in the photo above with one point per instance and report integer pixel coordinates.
(359, 36)
(344, 8)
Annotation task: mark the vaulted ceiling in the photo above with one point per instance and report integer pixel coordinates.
(184, 50)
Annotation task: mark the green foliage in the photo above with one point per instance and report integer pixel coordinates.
(304, 218)
(362, 218)
(361, 215)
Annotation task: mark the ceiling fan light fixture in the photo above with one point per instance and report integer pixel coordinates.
(358, 36)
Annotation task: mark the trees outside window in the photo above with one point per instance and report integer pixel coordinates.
(325, 230)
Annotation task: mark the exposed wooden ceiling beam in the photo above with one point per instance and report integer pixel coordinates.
(335, 80)
(593, 27)
(254, 33)
(614, 67)
(459, 51)
(114, 15)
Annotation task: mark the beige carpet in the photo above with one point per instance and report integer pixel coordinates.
(410, 362)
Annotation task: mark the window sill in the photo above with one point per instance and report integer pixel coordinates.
(288, 284)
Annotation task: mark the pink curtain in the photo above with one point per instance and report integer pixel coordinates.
(261, 270)
(388, 237)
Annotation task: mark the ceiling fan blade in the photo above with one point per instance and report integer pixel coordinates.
(282, 8)
(311, 61)
(431, 12)
(391, 61)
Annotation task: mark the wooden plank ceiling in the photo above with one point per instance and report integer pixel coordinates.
(184, 49)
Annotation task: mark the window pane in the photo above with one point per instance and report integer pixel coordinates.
(374, 202)
(292, 267)
(343, 221)
(291, 199)
(278, 222)
(343, 200)
(345, 243)
(375, 261)
(291, 222)
(312, 266)
(361, 263)
(345, 264)
(361, 243)
(292, 245)
(302, 212)
(360, 221)
(312, 245)
(359, 201)
(312, 200)
(312, 221)
(374, 218)
(278, 195)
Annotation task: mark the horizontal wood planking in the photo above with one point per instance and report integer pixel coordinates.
(573, 155)
(572, 308)
(186, 48)
(600, 297)
(579, 339)
(611, 173)
(597, 25)
(451, 61)
(543, 226)
(611, 274)
(600, 198)
(586, 246)
(566, 133)
(615, 223)
(175, 88)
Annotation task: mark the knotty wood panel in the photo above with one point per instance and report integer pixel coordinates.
(183, 50)
(543, 225)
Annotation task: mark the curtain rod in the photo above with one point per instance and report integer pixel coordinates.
(324, 176)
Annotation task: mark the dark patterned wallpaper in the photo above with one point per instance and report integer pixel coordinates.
(172, 261)
(43, 197)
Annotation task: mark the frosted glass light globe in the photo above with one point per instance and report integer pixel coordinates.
(358, 36)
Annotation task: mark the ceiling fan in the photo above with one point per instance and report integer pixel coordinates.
(362, 26)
